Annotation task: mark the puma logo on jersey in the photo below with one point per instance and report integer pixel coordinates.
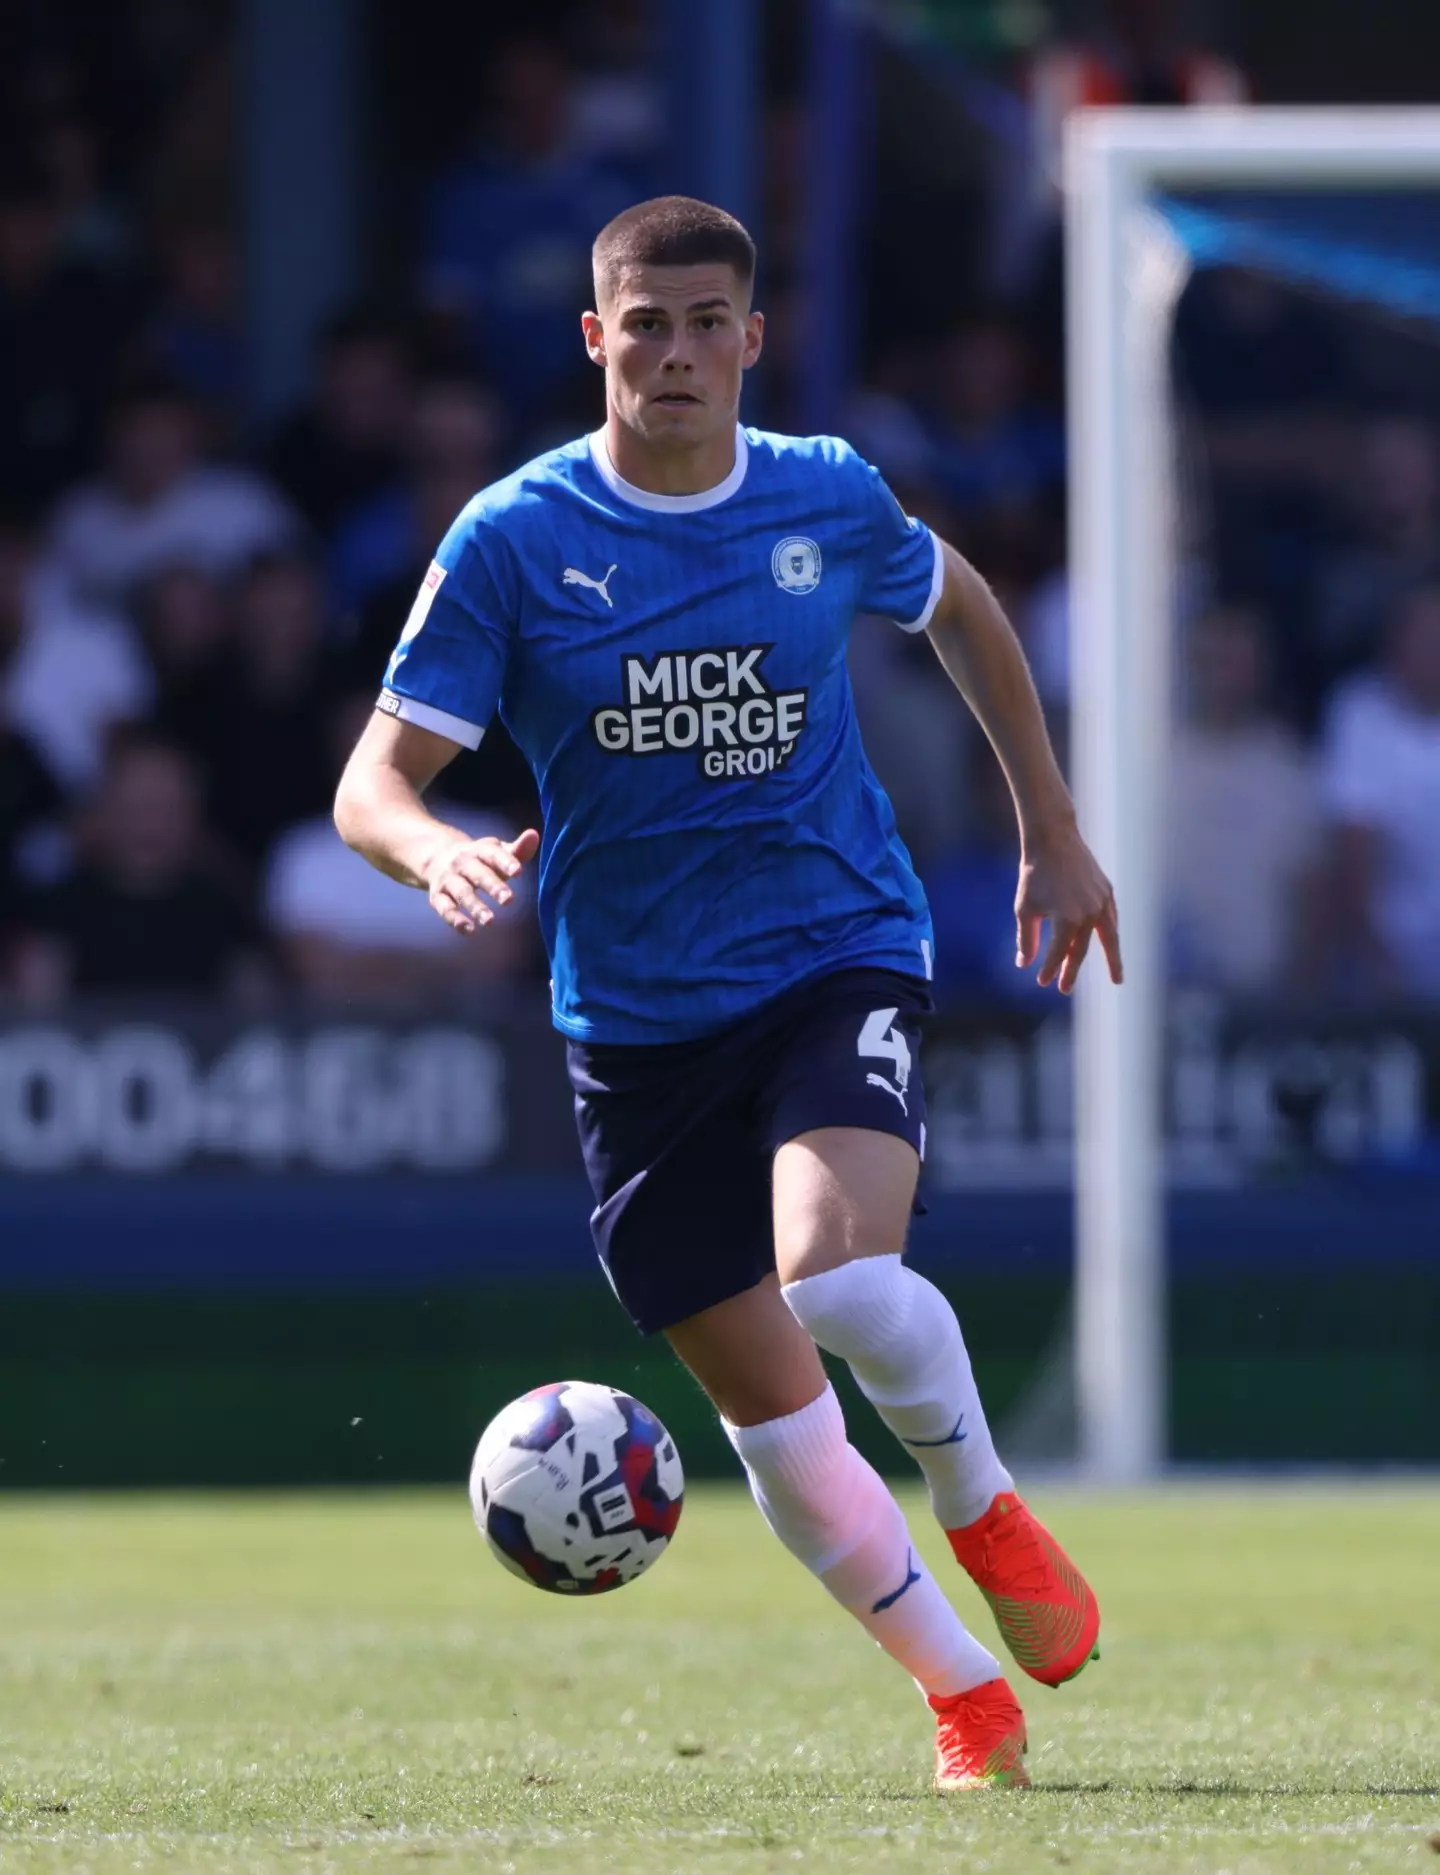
(878, 1080)
(574, 577)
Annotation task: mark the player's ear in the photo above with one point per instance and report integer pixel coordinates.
(594, 330)
(754, 339)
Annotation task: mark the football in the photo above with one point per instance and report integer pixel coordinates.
(577, 1488)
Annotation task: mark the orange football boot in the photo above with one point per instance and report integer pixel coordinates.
(1047, 1614)
(980, 1740)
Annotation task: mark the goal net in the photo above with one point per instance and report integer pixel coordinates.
(1332, 209)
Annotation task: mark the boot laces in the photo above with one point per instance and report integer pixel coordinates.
(972, 1730)
(1013, 1551)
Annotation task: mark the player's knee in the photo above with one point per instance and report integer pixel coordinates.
(840, 1195)
(857, 1310)
(817, 1240)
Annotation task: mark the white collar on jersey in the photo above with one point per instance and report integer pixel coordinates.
(668, 504)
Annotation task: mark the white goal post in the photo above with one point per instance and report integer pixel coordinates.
(1117, 282)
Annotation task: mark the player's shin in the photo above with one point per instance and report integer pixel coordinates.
(903, 1345)
(835, 1514)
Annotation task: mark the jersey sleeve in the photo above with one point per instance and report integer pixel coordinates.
(904, 567)
(446, 671)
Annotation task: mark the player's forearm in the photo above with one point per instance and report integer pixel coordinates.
(379, 812)
(982, 656)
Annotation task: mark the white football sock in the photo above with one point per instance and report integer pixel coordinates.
(833, 1511)
(907, 1354)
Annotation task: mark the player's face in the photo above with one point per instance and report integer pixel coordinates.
(675, 343)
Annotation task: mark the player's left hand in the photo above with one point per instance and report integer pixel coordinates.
(1061, 881)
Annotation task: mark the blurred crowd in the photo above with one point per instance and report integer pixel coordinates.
(195, 613)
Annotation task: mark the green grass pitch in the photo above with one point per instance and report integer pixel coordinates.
(335, 1683)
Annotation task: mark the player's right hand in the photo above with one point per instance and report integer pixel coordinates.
(460, 873)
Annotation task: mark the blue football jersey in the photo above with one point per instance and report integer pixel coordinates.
(673, 668)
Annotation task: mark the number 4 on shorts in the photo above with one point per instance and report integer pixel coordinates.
(879, 1040)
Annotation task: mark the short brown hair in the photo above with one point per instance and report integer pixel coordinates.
(672, 231)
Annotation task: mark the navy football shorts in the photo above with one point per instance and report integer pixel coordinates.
(678, 1137)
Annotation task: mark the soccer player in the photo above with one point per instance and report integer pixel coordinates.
(739, 945)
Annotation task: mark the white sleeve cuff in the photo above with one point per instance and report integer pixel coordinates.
(424, 716)
(937, 586)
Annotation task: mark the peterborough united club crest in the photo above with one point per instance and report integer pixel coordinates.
(796, 564)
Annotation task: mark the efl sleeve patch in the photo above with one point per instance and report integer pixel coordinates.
(449, 664)
(434, 579)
